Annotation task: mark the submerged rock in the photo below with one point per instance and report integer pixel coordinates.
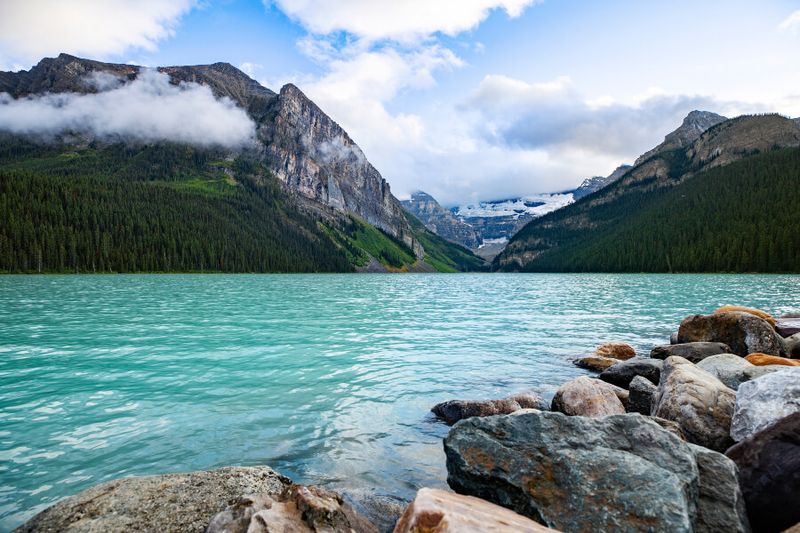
(721, 504)
(595, 362)
(615, 350)
(733, 370)
(763, 401)
(383, 510)
(693, 351)
(170, 502)
(622, 373)
(642, 393)
(744, 333)
(769, 474)
(585, 396)
(444, 512)
(454, 410)
(762, 359)
(615, 473)
(298, 509)
(700, 403)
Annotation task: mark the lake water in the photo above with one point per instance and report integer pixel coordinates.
(326, 378)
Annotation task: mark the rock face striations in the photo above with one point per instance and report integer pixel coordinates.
(441, 221)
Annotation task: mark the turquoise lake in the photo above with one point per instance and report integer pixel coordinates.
(327, 378)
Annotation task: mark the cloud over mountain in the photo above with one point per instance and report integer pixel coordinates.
(146, 109)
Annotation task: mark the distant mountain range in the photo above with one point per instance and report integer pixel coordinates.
(303, 197)
(721, 198)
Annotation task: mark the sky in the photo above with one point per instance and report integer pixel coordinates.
(468, 100)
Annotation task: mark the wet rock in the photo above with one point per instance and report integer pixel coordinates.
(793, 346)
(622, 373)
(585, 396)
(171, 502)
(454, 410)
(733, 370)
(298, 509)
(700, 403)
(673, 337)
(383, 510)
(693, 351)
(594, 362)
(615, 350)
(786, 327)
(641, 395)
(744, 333)
(769, 474)
(721, 505)
(444, 512)
(763, 401)
(749, 310)
(577, 473)
(762, 359)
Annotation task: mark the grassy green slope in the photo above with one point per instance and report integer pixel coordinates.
(743, 217)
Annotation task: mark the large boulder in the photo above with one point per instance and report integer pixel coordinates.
(793, 346)
(298, 509)
(439, 511)
(454, 410)
(623, 372)
(615, 350)
(171, 502)
(693, 351)
(721, 505)
(700, 403)
(769, 474)
(585, 396)
(744, 333)
(733, 370)
(595, 362)
(641, 394)
(762, 359)
(763, 401)
(749, 310)
(615, 473)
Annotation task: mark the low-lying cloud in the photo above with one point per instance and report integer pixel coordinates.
(147, 109)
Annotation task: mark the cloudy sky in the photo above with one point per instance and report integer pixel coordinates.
(466, 99)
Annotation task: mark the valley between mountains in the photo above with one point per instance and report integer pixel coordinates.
(718, 195)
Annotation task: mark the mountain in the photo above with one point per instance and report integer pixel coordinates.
(633, 213)
(441, 221)
(304, 170)
(596, 183)
(695, 124)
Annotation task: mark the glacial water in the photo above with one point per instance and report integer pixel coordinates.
(326, 378)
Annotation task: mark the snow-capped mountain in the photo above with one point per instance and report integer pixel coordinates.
(535, 206)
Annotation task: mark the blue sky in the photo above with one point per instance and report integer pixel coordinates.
(466, 99)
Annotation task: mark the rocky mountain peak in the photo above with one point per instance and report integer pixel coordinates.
(440, 220)
(694, 125)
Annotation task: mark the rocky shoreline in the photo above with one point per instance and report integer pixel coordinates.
(703, 435)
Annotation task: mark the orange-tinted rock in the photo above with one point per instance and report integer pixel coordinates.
(615, 350)
(585, 396)
(762, 359)
(595, 362)
(439, 511)
(749, 310)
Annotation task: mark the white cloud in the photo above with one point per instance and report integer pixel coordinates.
(792, 22)
(146, 109)
(401, 20)
(32, 29)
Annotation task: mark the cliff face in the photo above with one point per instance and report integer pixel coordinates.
(303, 147)
(441, 221)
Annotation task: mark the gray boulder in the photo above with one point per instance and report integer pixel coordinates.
(763, 401)
(585, 396)
(744, 333)
(623, 372)
(693, 351)
(171, 502)
(787, 327)
(721, 504)
(615, 473)
(733, 370)
(793, 346)
(454, 410)
(642, 393)
(769, 474)
(699, 402)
